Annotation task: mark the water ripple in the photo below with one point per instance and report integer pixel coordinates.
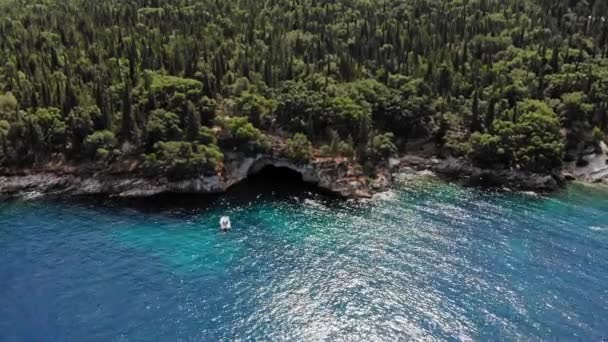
(429, 262)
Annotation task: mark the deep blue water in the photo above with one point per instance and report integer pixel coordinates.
(428, 261)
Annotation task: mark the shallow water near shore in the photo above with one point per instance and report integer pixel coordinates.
(428, 260)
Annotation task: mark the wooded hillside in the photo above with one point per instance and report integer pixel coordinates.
(514, 83)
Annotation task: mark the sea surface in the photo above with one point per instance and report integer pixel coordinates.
(426, 261)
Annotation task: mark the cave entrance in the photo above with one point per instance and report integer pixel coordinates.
(270, 173)
(274, 181)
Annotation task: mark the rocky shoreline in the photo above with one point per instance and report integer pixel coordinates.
(463, 172)
(343, 177)
(338, 176)
(594, 168)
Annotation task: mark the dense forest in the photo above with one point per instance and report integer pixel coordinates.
(176, 84)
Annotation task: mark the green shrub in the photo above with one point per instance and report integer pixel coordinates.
(206, 136)
(337, 147)
(244, 136)
(171, 84)
(538, 145)
(533, 143)
(486, 149)
(163, 126)
(381, 147)
(180, 159)
(46, 130)
(102, 154)
(299, 148)
(256, 107)
(597, 135)
(98, 144)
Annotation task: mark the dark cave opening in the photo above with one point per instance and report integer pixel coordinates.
(275, 180)
(272, 174)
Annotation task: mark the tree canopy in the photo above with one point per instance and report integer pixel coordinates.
(516, 83)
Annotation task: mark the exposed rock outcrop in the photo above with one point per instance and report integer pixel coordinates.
(340, 176)
(595, 169)
(464, 172)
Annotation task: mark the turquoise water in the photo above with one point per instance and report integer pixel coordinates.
(428, 261)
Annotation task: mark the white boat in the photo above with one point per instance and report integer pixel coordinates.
(225, 223)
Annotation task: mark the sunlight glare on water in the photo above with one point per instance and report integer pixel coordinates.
(428, 261)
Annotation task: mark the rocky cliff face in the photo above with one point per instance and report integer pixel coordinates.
(339, 176)
(596, 168)
(467, 174)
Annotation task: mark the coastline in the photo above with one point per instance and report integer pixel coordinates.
(463, 172)
(339, 176)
